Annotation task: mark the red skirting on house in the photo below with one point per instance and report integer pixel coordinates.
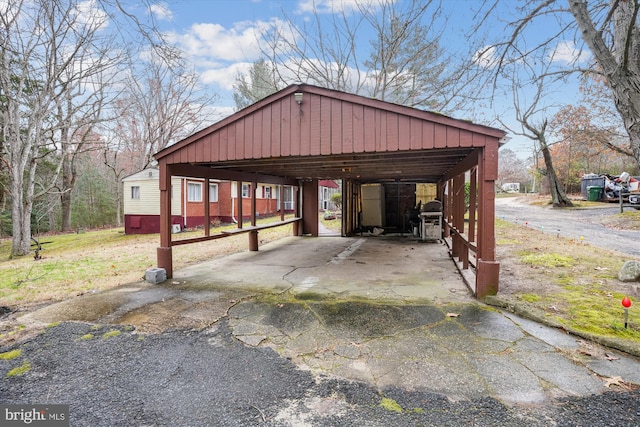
(146, 224)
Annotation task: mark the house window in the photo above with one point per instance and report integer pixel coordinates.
(246, 188)
(267, 192)
(194, 193)
(213, 193)
(135, 192)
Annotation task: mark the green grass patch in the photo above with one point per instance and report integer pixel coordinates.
(86, 337)
(577, 284)
(390, 405)
(530, 297)
(590, 310)
(12, 354)
(544, 259)
(75, 263)
(20, 370)
(508, 242)
(110, 334)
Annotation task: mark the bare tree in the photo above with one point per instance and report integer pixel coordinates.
(531, 112)
(50, 53)
(158, 107)
(403, 63)
(609, 28)
(511, 168)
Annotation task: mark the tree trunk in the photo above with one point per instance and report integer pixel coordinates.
(618, 67)
(21, 242)
(68, 182)
(558, 196)
(21, 208)
(119, 205)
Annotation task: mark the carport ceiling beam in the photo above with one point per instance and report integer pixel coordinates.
(195, 171)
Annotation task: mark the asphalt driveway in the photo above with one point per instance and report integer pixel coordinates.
(572, 223)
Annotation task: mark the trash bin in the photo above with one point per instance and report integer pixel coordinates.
(594, 193)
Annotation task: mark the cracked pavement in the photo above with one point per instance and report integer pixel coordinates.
(384, 311)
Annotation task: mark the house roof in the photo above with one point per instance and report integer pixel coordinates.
(328, 183)
(143, 175)
(333, 135)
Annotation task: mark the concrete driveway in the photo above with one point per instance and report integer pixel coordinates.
(388, 311)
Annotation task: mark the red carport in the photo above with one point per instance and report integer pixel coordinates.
(303, 134)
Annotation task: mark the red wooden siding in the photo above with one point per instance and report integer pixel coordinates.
(322, 126)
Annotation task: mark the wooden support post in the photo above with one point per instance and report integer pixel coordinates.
(473, 203)
(253, 234)
(487, 278)
(297, 226)
(487, 269)
(207, 205)
(282, 203)
(253, 240)
(254, 190)
(164, 252)
(239, 199)
(165, 260)
(310, 207)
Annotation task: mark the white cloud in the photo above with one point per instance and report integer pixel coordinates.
(335, 6)
(486, 57)
(224, 77)
(215, 43)
(161, 11)
(90, 14)
(566, 51)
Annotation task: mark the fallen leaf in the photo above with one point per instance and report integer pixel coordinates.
(453, 314)
(608, 382)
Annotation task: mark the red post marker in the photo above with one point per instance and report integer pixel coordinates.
(626, 303)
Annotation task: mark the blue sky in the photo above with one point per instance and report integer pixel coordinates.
(219, 37)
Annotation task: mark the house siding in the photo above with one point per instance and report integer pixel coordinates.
(142, 216)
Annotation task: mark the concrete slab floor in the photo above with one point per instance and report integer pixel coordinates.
(385, 310)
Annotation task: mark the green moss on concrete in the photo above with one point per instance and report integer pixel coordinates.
(110, 334)
(8, 355)
(390, 405)
(20, 370)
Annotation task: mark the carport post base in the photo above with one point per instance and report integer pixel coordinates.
(487, 277)
(253, 240)
(165, 260)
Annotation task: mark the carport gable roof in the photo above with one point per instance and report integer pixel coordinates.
(333, 135)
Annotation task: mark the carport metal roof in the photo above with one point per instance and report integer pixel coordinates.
(305, 133)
